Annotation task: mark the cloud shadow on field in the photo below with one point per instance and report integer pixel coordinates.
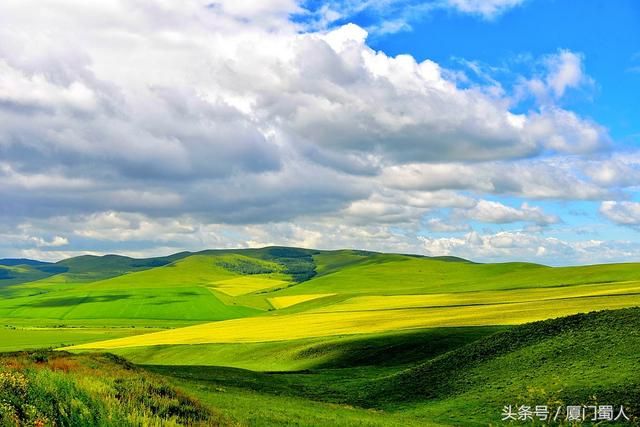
(70, 301)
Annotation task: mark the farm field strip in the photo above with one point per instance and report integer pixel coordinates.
(392, 302)
(246, 284)
(307, 325)
(288, 301)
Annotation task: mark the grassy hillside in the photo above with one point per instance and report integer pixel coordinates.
(584, 359)
(179, 291)
(399, 274)
(15, 271)
(89, 268)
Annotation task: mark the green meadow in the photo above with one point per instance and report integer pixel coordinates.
(287, 336)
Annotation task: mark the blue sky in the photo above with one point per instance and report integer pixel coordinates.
(606, 34)
(495, 130)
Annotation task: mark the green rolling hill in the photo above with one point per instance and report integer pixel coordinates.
(411, 338)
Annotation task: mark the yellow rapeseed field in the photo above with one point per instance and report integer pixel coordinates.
(288, 301)
(318, 324)
(246, 284)
(377, 302)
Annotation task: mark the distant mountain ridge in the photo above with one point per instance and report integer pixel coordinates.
(266, 251)
(12, 262)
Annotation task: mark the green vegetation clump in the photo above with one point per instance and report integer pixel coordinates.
(246, 267)
(298, 263)
(59, 389)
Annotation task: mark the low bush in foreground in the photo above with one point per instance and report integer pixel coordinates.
(60, 389)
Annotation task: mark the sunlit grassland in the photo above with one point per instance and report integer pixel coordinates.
(191, 271)
(239, 298)
(221, 286)
(83, 302)
(194, 270)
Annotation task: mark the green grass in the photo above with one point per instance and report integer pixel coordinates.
(248, 407)
(92, 303)
(460, 376)
(477, 298)
(295, 262)
(183, 287)
(88, 268)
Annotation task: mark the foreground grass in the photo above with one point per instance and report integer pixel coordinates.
(58, 389)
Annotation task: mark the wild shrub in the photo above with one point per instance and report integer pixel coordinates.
(57, 389)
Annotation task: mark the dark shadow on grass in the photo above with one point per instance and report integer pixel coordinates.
(69, 301)
(187, 293)
(168, 302)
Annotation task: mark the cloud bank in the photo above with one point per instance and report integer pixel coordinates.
(162, 125)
